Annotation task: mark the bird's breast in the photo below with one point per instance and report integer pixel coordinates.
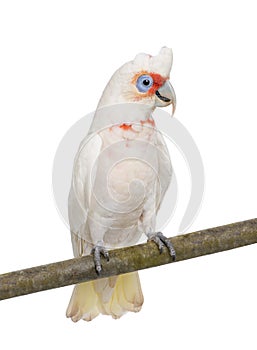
(130, 157)
(127, 170)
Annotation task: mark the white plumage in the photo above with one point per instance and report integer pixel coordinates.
(121, 172)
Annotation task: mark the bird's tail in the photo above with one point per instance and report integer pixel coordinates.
(110, 296)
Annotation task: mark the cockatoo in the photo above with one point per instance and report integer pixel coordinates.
(120, 175)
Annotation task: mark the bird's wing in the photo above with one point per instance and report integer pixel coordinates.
(81, 188)
(164, 170)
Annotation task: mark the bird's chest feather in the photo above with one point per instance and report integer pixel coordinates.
(143, 130)
(128, 159)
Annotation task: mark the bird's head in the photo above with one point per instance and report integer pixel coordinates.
(144, 80)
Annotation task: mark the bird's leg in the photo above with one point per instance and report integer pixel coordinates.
(162, 241)
(97, 251)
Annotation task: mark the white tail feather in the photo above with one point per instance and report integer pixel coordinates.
(110, 296)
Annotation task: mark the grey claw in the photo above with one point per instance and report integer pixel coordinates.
(162, 241)
(97, 251)
(106, 255)
(154, 237)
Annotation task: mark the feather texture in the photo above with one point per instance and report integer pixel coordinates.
(120, 175)
(110, 296)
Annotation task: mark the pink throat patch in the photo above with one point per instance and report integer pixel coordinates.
(128, 127)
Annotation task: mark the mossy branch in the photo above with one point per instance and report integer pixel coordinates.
(128, 259)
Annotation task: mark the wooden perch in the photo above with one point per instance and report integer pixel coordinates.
(128, 259)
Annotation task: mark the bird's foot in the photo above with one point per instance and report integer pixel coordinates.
(162, 241)
(97, 251)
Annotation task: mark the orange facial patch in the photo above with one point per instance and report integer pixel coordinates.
(158, 81)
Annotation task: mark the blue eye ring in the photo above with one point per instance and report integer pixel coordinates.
(144, 83)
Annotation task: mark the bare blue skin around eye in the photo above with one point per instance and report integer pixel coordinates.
(144, 83)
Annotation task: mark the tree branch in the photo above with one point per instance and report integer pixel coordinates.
(128, 259)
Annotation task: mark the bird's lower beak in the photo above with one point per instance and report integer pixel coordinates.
(165, 96)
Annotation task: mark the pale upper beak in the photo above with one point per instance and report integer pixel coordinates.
(165, 96)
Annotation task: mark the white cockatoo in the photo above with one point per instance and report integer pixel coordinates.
(121, 172)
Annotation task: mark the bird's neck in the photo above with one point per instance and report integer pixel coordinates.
(119, 114)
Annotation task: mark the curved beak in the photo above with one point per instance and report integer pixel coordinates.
(165, 96)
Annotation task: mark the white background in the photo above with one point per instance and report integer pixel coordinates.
(55, 59)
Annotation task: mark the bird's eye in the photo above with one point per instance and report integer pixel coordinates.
(144, 83)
